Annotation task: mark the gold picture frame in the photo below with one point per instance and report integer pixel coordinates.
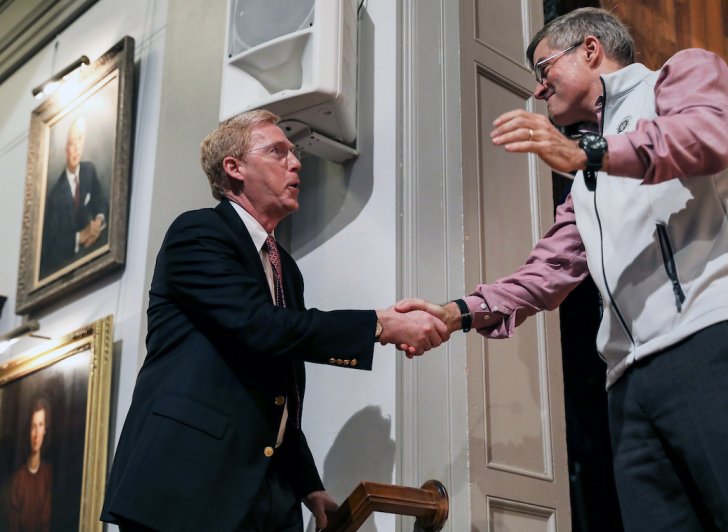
(76, 203)
(61, 390)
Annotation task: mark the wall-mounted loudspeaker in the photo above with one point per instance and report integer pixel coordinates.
(298, 59)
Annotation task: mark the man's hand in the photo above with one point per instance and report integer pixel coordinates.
(523, 132)
(449, 314)
(320, 504)
(89, 234)
(418, 330)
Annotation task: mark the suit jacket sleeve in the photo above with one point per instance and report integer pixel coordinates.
(307, 478)
(201, 260)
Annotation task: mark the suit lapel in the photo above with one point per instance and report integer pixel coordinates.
(243, 242)
(291, 286)
(82, 184)
(294, 295)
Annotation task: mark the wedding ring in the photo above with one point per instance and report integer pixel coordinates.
(530, 134)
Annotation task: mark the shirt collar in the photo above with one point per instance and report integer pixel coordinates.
(257, 233)
(71, 176)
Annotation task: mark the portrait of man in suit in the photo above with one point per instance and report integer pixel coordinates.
(213, 438)
(76, 208)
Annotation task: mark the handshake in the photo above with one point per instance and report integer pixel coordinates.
(415, 325)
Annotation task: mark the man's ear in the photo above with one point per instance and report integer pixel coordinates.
(594, 50)
(233, 169)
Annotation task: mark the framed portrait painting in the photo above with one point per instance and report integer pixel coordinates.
(77, 180)
(54, 426)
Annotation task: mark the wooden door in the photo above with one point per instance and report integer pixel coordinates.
(518, 466)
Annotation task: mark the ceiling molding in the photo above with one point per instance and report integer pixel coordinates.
(27, 26)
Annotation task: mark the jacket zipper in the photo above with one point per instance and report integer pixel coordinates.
(668, 259)
(617, 312)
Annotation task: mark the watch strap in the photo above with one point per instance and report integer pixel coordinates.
(466, 319)
(595, 147)
(590, 179)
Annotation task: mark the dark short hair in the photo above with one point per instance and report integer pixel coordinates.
(38, 404)
(575, 26)
(230, 138)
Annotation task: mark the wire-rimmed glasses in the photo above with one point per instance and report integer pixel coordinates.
(278, 151)
(540, 68)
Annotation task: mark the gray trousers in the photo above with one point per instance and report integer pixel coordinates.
(668, 419)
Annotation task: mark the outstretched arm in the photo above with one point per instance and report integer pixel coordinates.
(554, 267)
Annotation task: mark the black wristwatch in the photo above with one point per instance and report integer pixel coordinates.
(595, 146)
(466, 318)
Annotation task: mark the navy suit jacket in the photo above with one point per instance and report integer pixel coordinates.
(192, 453)
(61, 221)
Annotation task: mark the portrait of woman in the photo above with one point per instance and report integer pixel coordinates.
(29, 497)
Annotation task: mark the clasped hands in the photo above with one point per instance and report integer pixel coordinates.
(88, 235)
(416, 325)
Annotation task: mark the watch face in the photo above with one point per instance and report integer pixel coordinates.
(595, 147)
(593, 142)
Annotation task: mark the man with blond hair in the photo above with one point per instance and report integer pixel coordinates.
(213, 438)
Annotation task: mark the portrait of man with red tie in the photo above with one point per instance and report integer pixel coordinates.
(76, 208)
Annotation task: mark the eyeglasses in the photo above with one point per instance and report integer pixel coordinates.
(541, 66)
(278, 151)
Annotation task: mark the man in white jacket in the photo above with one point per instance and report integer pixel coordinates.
(647, 218)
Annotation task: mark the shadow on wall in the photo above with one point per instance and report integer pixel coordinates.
(333, 195)
(363, 450)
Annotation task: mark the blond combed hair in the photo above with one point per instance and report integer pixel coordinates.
(231, 138)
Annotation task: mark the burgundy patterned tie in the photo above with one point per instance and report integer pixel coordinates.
(275, 261)
(274, 257)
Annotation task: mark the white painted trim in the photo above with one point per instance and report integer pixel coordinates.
(432, 396)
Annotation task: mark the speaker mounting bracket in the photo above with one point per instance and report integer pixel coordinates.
(315, 143)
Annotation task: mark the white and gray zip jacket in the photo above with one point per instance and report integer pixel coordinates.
(658, 253)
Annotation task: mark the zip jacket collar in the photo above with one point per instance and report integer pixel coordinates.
(621, 82)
